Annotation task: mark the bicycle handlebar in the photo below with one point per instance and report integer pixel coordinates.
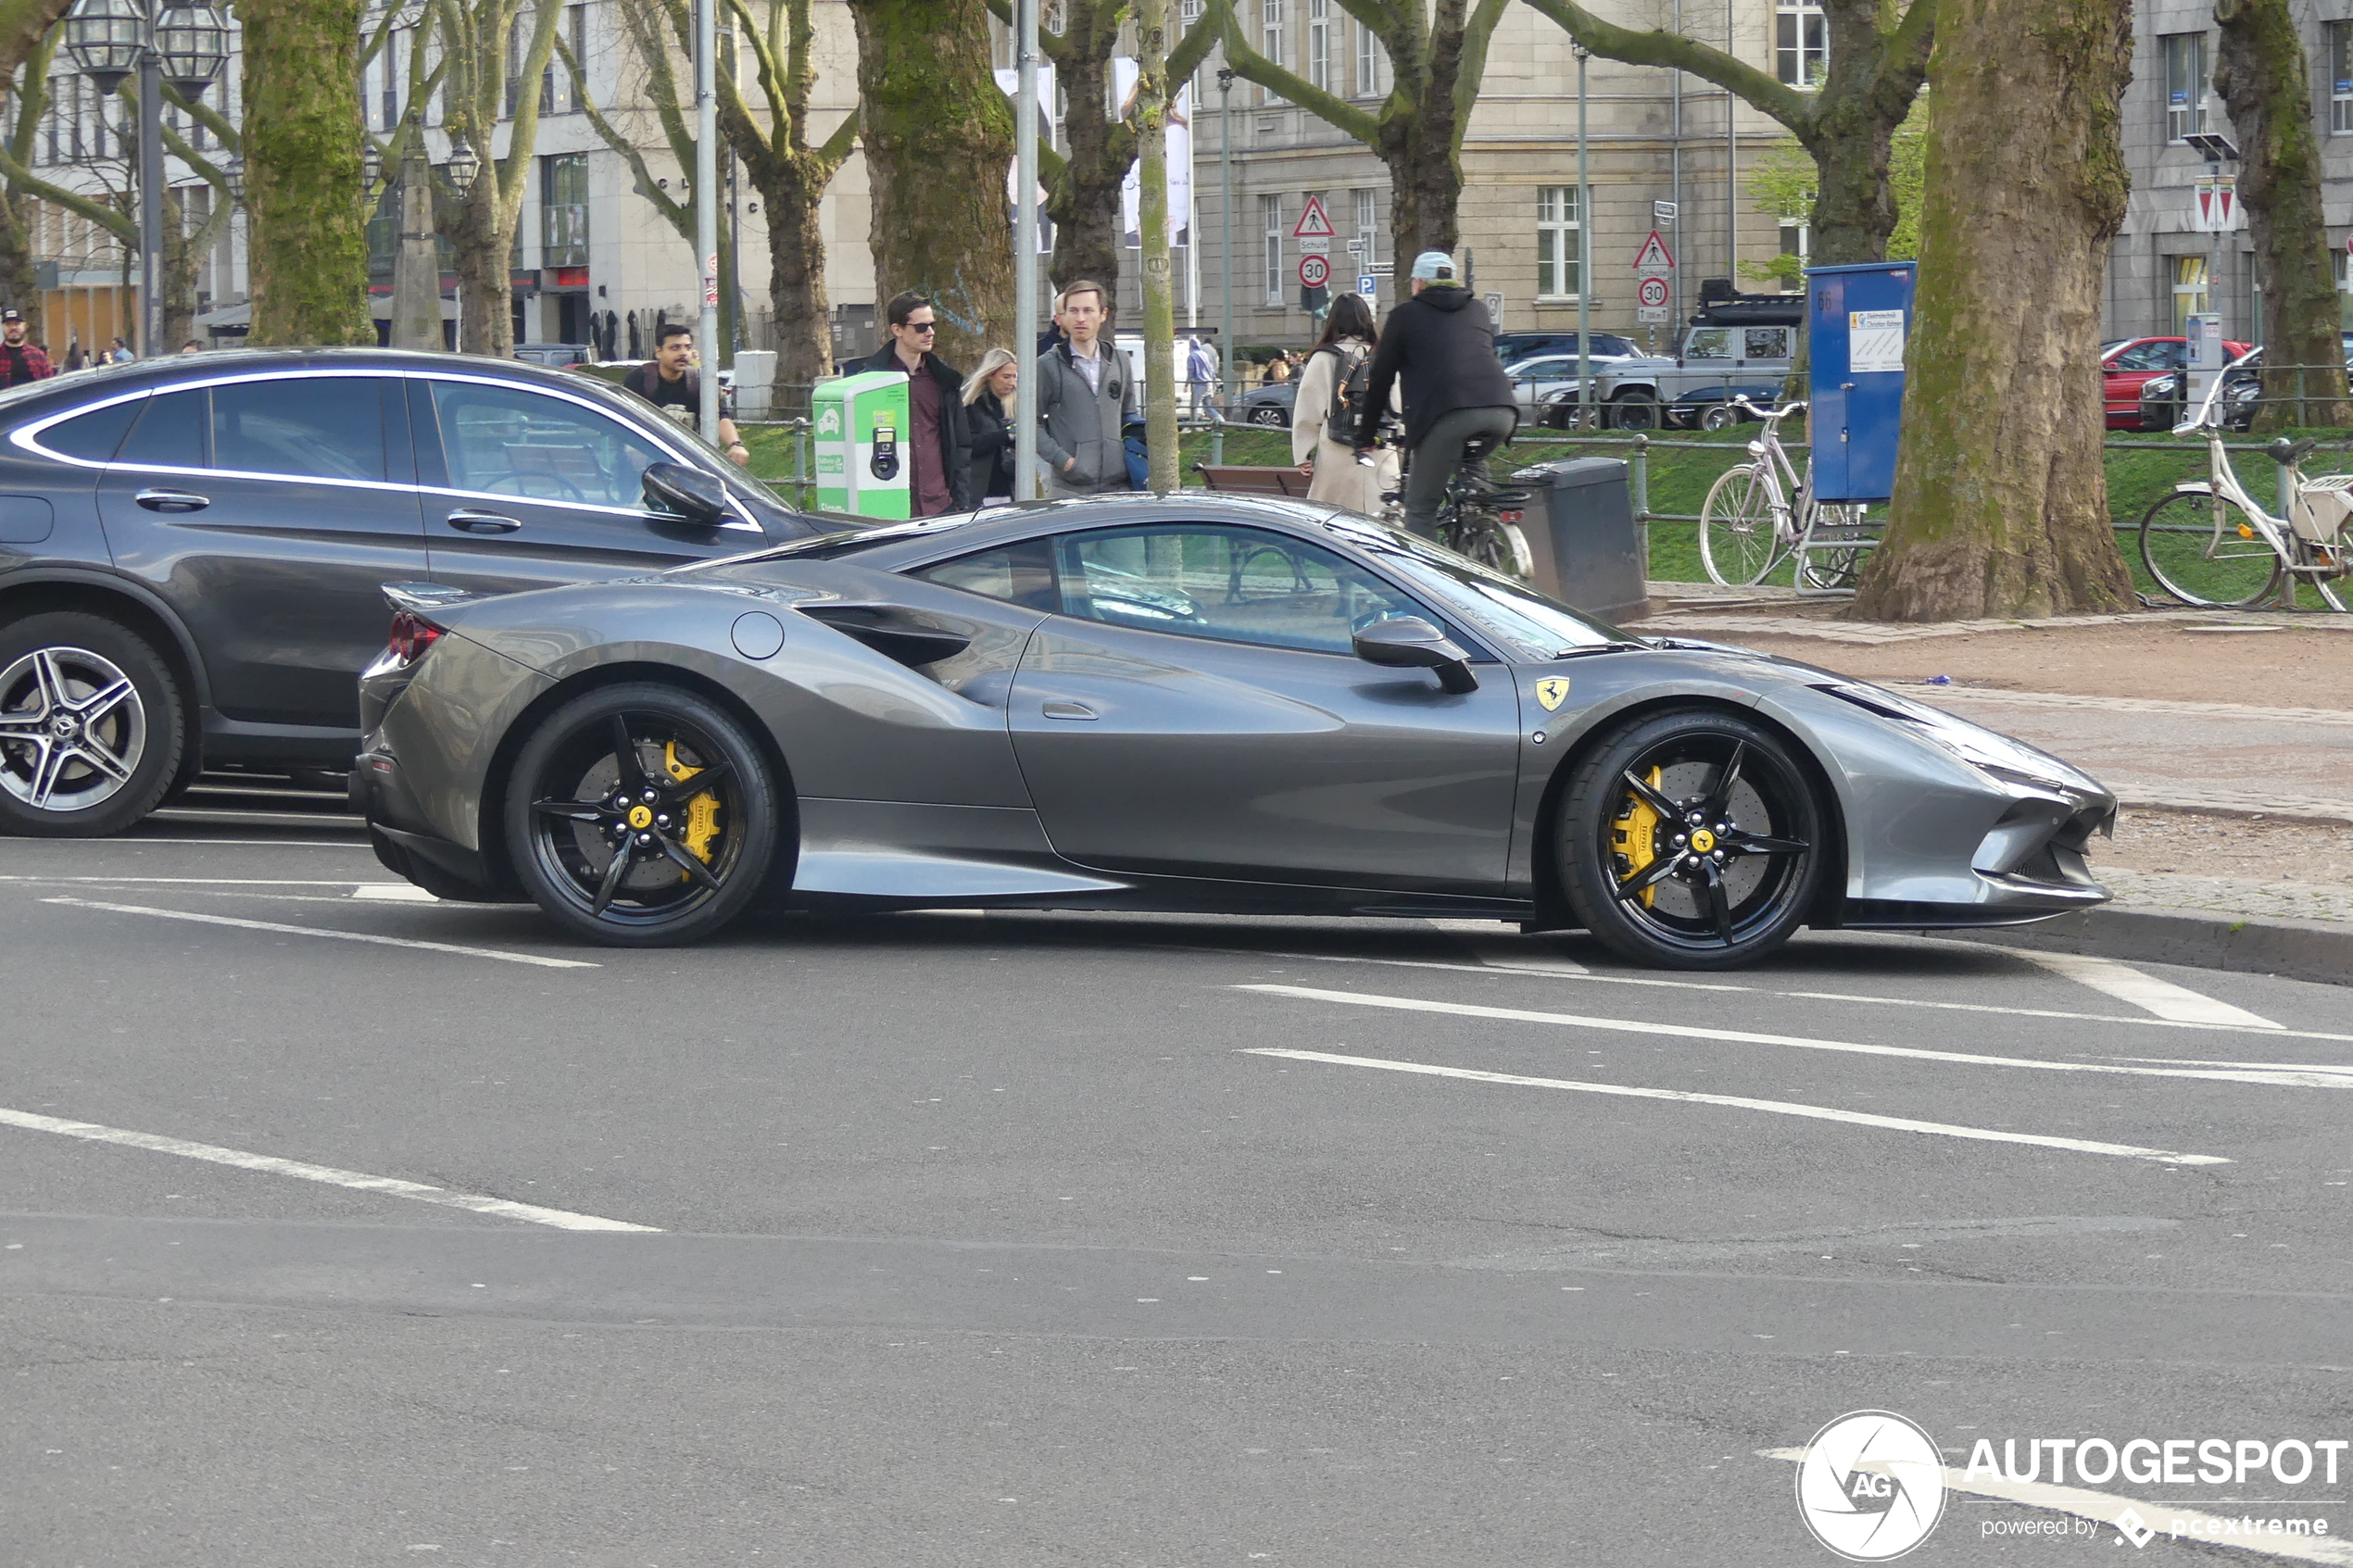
(1771, 416)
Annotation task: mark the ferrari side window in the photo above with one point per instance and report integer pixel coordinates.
(1021, 574)
(1236, 584)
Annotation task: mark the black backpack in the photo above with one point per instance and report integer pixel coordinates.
(1351, 373)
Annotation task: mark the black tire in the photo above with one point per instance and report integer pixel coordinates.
(572, 797)
(92, 726)
(1270, 416)
(1640, 877)
(1720, 416)
(1634, 410)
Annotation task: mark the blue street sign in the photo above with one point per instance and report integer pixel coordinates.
(1367, 285)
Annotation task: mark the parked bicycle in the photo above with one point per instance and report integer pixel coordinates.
(1760, 512)
(2208, 543)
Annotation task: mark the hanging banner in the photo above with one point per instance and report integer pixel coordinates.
(1179, 135)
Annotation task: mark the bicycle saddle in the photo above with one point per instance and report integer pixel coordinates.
(2285, 451)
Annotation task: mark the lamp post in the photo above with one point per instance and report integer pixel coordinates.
(1226, 215)
(186, 45)
(464, 164)
(1589, 412)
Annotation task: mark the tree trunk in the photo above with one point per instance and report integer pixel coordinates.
(1425, 183)
(1152, 99)
(1854, 207)
(180, 261)
(2001, 501)
(480, 250)
(939, 137)
(307, 249)
(1084, 204)
(17, 281)
(796, 283)
(2261, 72)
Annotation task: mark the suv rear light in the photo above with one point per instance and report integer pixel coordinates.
(412, 634)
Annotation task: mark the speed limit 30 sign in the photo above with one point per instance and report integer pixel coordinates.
(1652, 292)
(1313, 272)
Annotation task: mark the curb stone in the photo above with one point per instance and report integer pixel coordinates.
(2291, 949)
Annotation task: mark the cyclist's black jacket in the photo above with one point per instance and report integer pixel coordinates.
(1442, 343)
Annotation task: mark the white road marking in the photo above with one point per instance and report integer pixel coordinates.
(2203, 1529)
(2300, 1078)
(393, 893)
(1738, 1102)
(332, 935)
(2145, 991)
(269, 1164)
(1488, 943)
(2244, 1066)
(2136, 1022)
(208, 881)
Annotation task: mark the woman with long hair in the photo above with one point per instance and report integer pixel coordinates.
(1326, 455)
(988, 411)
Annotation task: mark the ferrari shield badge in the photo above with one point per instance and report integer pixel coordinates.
(1552, 691)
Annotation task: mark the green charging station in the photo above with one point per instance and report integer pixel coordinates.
(860, 431)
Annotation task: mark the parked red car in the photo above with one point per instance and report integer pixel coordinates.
(2126, 364)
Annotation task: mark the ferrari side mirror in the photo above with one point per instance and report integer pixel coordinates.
(1407, 642)
(687, 493)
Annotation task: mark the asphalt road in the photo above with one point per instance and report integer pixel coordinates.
(1041, 1239)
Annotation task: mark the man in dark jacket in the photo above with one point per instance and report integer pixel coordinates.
(939, 442)
(1442, 342)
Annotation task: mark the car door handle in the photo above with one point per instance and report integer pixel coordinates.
(482, 522)
(1068, 710)
(171, 501)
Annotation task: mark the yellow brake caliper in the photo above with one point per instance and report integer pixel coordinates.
(702, 810)
(1634, 839)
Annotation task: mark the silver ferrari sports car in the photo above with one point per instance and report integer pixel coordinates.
(1176, 703)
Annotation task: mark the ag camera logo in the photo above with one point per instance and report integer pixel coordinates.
(1871, 1486)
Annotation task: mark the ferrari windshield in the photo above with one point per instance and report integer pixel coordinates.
(1529, 625)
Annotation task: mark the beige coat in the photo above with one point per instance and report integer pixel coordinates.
(1339, 478)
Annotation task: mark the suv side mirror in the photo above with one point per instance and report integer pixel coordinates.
(1407, 642)
(687, 493)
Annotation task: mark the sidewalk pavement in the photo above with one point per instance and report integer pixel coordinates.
(2280, 764)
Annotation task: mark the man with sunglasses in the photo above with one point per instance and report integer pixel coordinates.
(937, 441)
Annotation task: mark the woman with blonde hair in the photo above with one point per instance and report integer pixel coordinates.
(1327, 457)
(989, 412)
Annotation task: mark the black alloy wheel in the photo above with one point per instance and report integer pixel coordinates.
(90, 726)
(1692, 839)
(1634, 410)
(642, 816)
(1271, 415)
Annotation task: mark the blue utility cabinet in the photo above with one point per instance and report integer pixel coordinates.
(1859, 319)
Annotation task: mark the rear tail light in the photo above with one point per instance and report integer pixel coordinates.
(1512, 515)
(412, 634)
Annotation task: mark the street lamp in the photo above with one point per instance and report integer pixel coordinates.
(371, 168)
(233, 174)
(1225, 363)
(463, 166)
(186, 45)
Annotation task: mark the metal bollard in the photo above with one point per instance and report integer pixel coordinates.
(1638, 473)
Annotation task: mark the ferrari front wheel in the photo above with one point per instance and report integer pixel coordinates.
(1692, 839)
(642, 816)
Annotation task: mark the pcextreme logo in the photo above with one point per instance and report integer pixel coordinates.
(1871, 1486)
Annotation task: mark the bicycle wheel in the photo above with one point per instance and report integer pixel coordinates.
(1831, 558)
(1492, 543)
(1737, 544)
(2204, 551)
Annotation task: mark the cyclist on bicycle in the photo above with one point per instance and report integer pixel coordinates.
(1443, 344)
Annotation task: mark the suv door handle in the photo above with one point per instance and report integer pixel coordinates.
(482, 522)
(1067, 710)
(171, 501)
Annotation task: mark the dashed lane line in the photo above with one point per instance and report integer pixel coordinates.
(1488, 945)
(499, 954)
(269, 1164)
(1739, 1102)
(2145, 991)
(2304, 1079)
(2106, 1508)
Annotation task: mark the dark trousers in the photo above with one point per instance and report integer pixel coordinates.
(1440, 452)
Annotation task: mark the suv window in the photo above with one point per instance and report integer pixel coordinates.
(1235, 584)
(93, 437)
(171, 432)
(317, 427)
(1768, 342)
(505, 441)
(1708, 343)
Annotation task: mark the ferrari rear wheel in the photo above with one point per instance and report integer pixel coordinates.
(1692, 839)
(641, 816)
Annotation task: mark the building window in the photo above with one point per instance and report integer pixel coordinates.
(2184, 85)
(564, 209)
(56, 117)
(1368, 229)
(1270, 208)
(1368, 62)
(1319, 43)
(1272, 17)
(1797, 243)
(1801, 42)
(556, 96)
(2336, 53)
(1188, 12)
(2189, 291)
(1560, 250)
(2344, 289)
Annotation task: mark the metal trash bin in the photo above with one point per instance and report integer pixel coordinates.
(1585, 548)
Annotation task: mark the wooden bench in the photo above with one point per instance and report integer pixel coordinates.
(1239, 479)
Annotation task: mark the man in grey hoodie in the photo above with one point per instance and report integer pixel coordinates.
(1084, 398)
